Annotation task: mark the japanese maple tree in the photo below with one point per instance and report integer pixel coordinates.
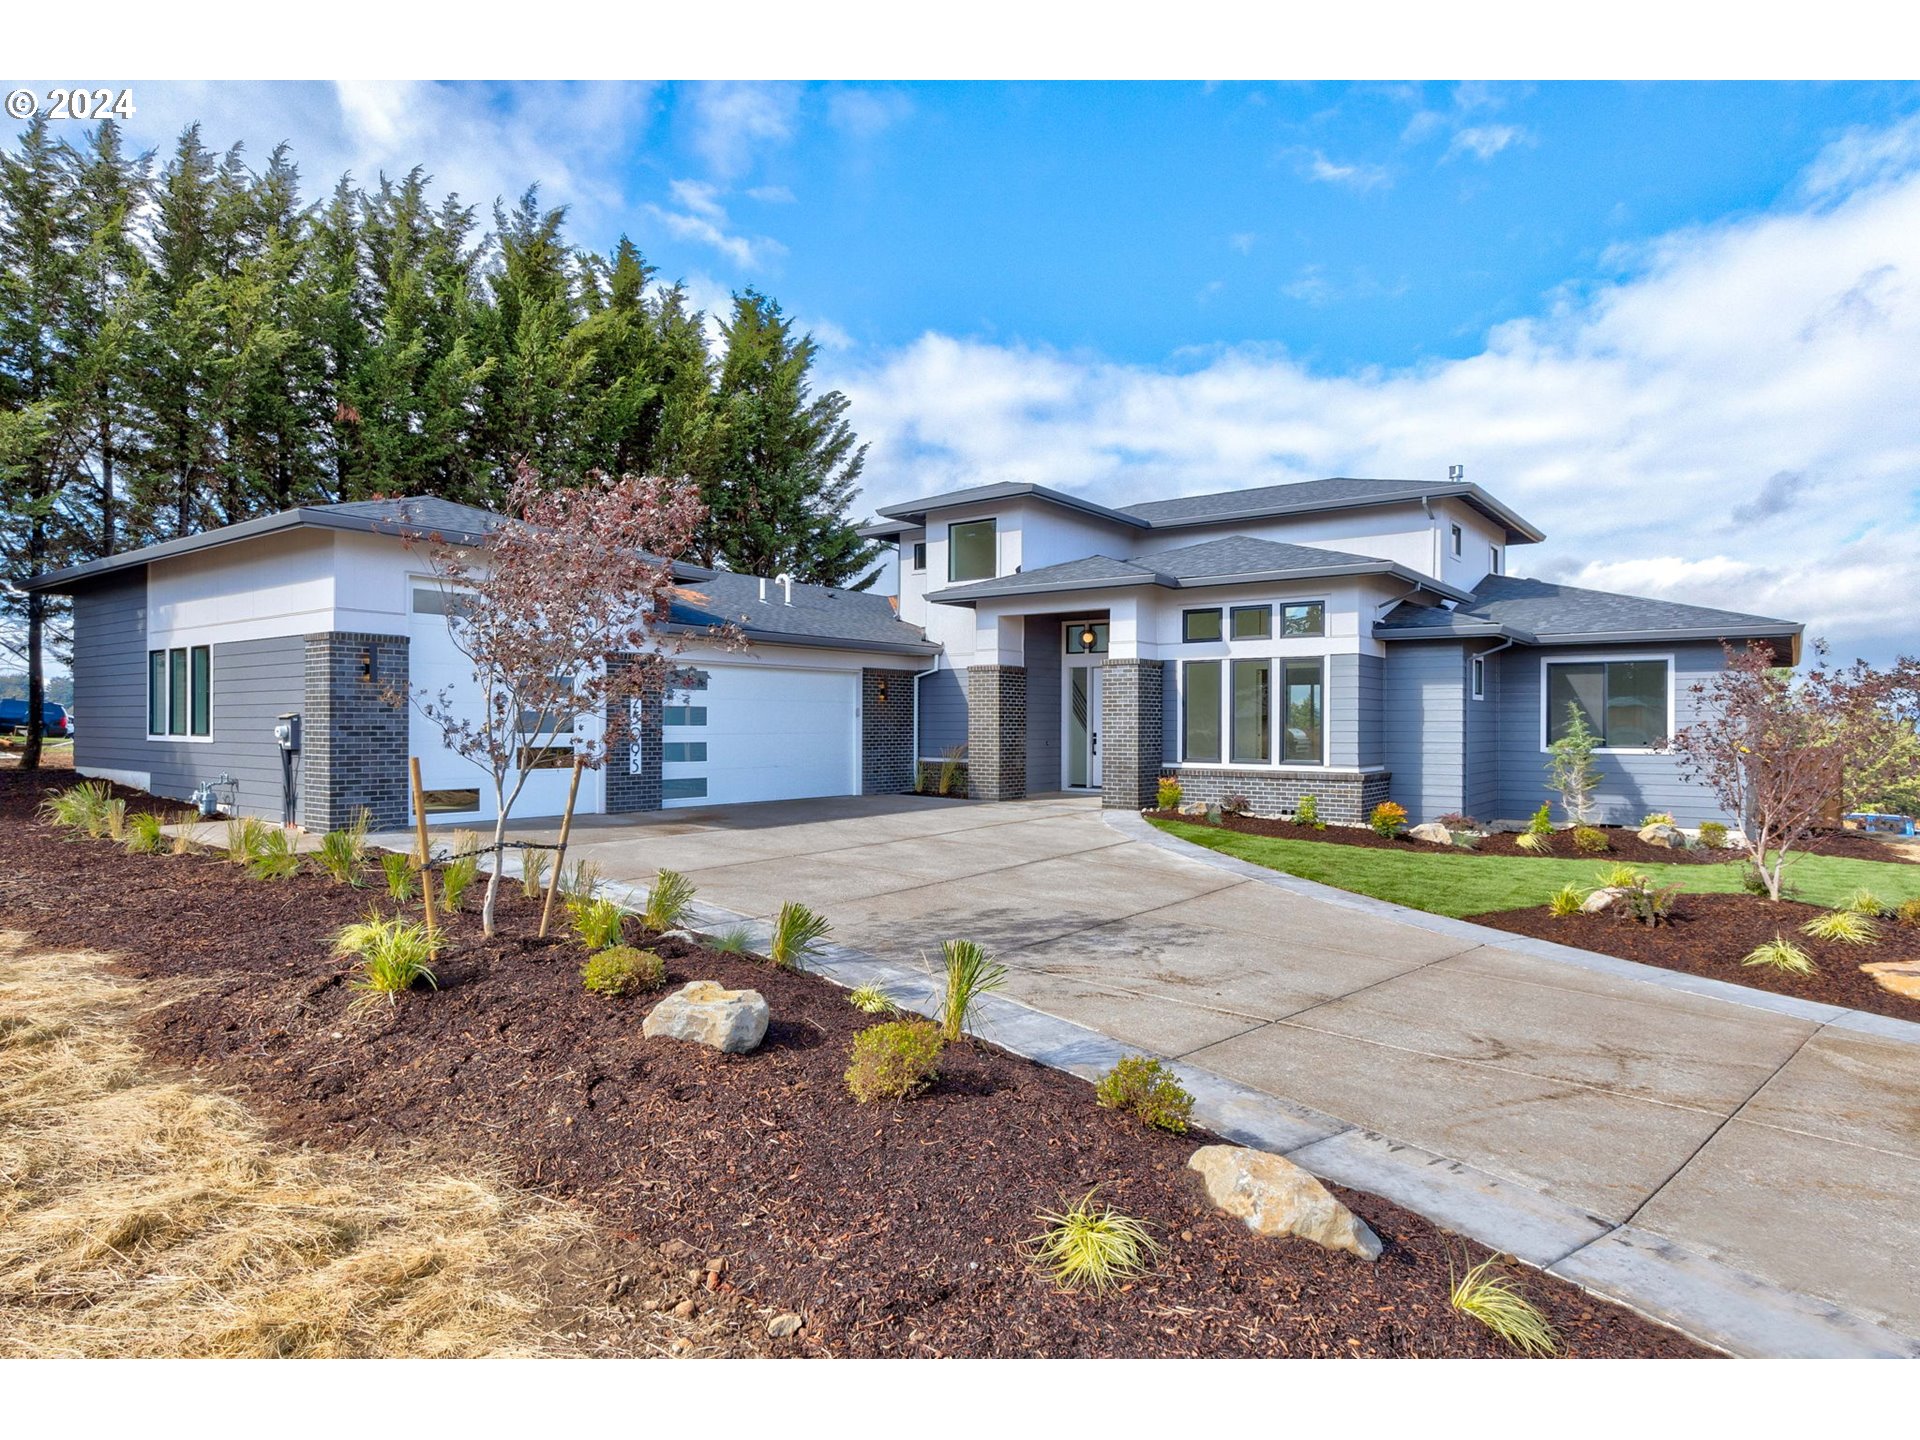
(563, 613)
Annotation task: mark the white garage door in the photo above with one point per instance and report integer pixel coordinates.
(746, 733)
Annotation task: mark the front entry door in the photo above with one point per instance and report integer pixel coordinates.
(1083, 727)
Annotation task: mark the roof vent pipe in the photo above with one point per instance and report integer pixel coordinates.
(785, 582)
(763, 589)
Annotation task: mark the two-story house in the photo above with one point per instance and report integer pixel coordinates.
(1355, 640)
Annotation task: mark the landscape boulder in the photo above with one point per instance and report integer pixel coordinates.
(1600, 899)
(1667, 837)
(1433, 832)
(1276, 1197)
(709, 1014)
(1902, 977)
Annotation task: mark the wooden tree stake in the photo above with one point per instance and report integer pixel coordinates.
(422, 855)
(560, 855)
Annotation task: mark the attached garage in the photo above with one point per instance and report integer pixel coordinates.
(742, 733)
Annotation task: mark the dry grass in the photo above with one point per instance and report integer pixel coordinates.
(146, 1216)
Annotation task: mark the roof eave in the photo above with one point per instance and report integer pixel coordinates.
(1013, 592)
(812, 642)
(1517, 528)
(913, 513)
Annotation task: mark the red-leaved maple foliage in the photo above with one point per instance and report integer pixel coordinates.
(563, 612)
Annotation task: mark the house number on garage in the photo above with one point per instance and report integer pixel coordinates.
(636, 755)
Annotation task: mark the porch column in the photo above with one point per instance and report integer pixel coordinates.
(354, 731)
(1132, 711)
(996, 732)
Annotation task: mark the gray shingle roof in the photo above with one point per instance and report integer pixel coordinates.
(1234, 559)
(913, 513)
(820, 614)
(1540, 610)
(429, 513)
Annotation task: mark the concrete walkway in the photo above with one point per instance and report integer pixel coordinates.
(1624, 1109)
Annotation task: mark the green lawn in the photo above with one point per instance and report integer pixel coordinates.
(1469, 884)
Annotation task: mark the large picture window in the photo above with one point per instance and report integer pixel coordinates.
(972, 551)
(180, 692)
(1252, 712)
(1303, 712)
(1200, 711)
(1624, 702)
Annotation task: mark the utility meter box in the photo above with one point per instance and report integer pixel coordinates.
(287, 733)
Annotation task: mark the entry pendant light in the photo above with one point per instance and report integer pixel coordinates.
(1087, 637)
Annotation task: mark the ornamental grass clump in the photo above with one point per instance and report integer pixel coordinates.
(1388, 819)
(343, 852)
(1566, 901)
(623, 970)
(668, 901)
(1864, 902)
(1782, 955)
(276, 859)
(457, 877)
(245, 837)
(1091, 1246)
(894, 1060)
(534, 865)
(146, 834)
(872, 1000)
(394, 956)
(735, 941)
(1495, 1299)
(1843, 927)
(797, 933)
(113, 820)
(401, 884)
(971, 973)
(597, 922)
(79, 807)
(1147, 1090)
(1618, 877)
(1908, 912)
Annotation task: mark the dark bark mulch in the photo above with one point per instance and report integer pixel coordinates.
(1711, 934)
(1622, 844)
(896, 1229)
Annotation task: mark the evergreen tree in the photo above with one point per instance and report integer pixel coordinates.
(784, 463)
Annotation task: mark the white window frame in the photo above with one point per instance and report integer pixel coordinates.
(1610, 657)
(167, 650)
(1493, 554)
(952, 525)
(1459, 539)
(917, 557)
(1477, 674)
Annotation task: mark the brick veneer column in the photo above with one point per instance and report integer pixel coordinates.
(886, 732)
(1132, 711)
(635, 786)
(354, 731)
(997, 732)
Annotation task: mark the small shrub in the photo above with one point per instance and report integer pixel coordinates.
(623, 970)
(1388, 819)
(1167, 794)
(1149, 1091)
(893, 1060)
(1713, 835)
(1465, 840)
(79, 807)
(797, 933)
(1908, 912)
(1235, 804)
(394, 955)
(1091, 1246)
(1657, 817)
(457, 877)
(1541, 822)
(1589, 840)
(1618, 877)
(245, 836)
(1646, 903)
(1864, 902)
(597, 922)
(534, 865)
(398, 868)
(1566, 901)
(732, 942)
(1497, 1302)
(1454, 820)
(971, 973)
(1783, 955)
(1307, 812)
(146, 834)
(276, 859)
(1844, 927)
(871, 1000)
(343, 852)
(667, 902)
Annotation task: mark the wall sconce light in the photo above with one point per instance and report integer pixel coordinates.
(881, 693)
(366, 666)
(1087, 637)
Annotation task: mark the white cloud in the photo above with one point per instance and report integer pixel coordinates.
(864, 114)
(1355, 175)
(1646, 424)
(1310, 285)
(1864, 156)
(1242, 241)
(733, 121)
(771, 194)
(1484, 142)
(702, 218)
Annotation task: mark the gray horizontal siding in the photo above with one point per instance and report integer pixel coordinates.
(1630, 785)
(1423, 712)
(1483, 735)
(1044, 680)
(1355, 684)
(943, 712)
(110, 673)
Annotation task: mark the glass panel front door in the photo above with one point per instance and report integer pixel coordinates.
(1083, 727)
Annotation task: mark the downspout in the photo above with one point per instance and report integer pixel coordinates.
(1433, 531)
(1466, 780)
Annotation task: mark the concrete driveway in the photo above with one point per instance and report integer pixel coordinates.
(1784, 1144)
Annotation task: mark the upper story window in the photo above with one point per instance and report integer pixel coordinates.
(919, 555)
(1308, 618)
(1493, 559)
(1625, 702)
(973, 551)
(1459, 539)
(180, 693)
(1199, 625)
(1253, 622)
(1479, 668)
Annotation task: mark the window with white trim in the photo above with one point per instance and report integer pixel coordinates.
(1459, 539)
(180, 693)
(1478, 665)
(973, 550)
(1493, 559)
(919, 555)
(1625, 702)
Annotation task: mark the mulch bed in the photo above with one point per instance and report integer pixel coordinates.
(1712, 933)
(1622, 844)
(895, 1229)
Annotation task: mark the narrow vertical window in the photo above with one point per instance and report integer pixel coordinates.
(1302, 713)
(177, 692)
(156, 692)
(1458, 539)
(1479, 668)
(1252, 712)
(1200, 710)
(1493, 559)
(201, 716)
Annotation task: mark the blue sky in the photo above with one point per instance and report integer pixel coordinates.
(1677, 325)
